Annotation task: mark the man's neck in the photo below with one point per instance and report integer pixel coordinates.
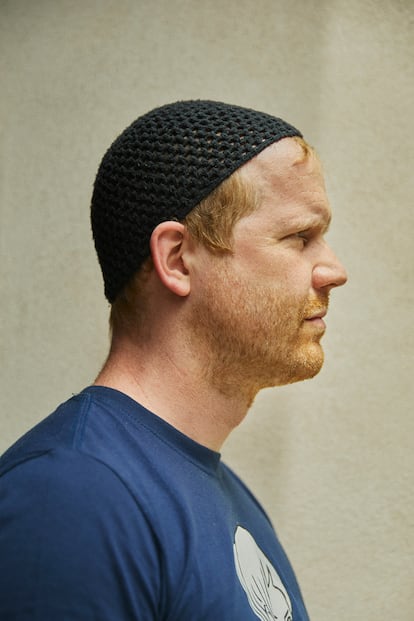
(176, 387)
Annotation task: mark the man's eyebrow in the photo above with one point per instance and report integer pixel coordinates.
(308, 222)
(316, 223)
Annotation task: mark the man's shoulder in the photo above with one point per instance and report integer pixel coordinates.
(85, 432)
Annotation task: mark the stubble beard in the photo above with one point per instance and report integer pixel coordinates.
(253, 338)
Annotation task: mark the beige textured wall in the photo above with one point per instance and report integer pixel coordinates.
(331, 459)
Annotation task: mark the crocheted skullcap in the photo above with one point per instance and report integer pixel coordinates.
(161, 167)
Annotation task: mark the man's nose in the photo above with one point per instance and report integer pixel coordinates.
(328, 271)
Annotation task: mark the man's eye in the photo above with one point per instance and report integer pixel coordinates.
(303, 237)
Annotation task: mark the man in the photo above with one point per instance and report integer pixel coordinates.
(209, 224)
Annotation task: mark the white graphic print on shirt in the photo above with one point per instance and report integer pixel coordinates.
(265, 592)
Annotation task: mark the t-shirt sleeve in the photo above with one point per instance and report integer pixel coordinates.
(74, 544)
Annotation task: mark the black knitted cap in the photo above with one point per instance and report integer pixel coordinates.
(161, 167)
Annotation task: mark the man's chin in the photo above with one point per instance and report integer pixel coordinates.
(310, 365)
(305, 366)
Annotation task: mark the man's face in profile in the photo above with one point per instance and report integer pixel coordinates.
(260, 309)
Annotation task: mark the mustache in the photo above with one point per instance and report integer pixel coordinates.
(316, 304)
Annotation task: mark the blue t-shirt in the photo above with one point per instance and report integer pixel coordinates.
(109, 513)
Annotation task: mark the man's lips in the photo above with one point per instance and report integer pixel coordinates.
(316, 319)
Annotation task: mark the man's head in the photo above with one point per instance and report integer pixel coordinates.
(231, 206)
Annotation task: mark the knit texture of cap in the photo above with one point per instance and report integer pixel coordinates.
(161, 167)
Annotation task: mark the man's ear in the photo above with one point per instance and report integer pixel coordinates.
(169, 244)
